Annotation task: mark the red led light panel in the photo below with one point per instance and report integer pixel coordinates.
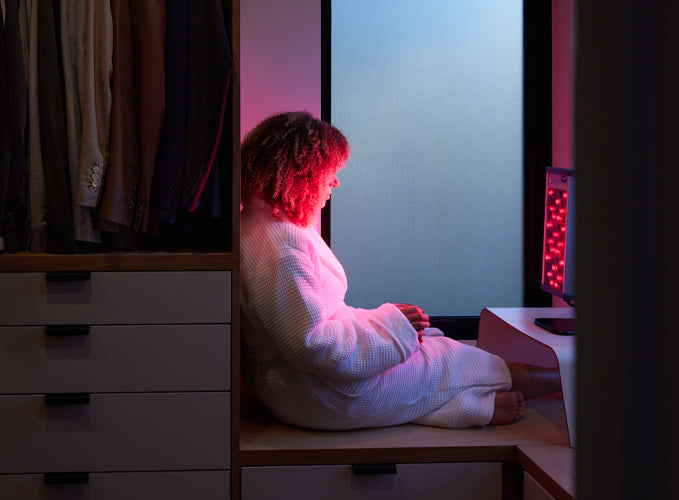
(558, 243)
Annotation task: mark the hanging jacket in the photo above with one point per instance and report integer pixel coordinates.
(138, 110)
(210, 68)
(59, 218)
(15, 228)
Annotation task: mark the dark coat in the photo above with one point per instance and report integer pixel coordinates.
(210, 68)
(138, 110)
(172, 155)
(60, 237)
(15, 227)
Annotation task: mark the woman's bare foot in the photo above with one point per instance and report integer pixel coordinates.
(508, 407)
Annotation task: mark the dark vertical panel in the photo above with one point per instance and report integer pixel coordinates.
(326, 74)
(626, 108)
(326, 62)
(230, 139)
(537, 140)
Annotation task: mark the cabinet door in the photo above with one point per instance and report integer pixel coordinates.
(130, 358)
(461, 481)
(204, 485)
(116, 298)
(115, 432)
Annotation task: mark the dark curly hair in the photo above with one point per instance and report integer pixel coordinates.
(284, 160)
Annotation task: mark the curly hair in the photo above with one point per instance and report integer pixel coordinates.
(285, 158)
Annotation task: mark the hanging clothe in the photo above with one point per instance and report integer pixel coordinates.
(95, 104)
(5, 153)
(209, 78)
(59, 218)
(198, 58)
(138, 110)
(73, 45)
(15, 227)
(28, 22)
(172, 156)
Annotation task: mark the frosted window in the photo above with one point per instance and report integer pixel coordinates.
(429, 94)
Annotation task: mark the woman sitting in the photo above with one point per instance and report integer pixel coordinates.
(317, 362)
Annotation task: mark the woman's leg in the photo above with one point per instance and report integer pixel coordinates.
(534, 381)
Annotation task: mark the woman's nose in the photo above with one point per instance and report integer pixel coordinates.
(335, 182)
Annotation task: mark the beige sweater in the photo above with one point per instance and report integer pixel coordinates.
(316, 362)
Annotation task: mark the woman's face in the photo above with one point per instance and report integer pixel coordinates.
(329, 182)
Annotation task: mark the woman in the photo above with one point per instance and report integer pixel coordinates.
(310, 358)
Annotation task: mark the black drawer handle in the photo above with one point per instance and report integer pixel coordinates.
(67, 275)
(67, 398)
(66, 477)
(62, 330)
(373, 469)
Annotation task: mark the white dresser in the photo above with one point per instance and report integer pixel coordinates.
(115, 367)
(115, 384)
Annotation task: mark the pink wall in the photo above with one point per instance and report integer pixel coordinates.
(280, 58)
(562, 101)
(562, 93)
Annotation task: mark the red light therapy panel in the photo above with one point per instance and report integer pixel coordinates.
(558, 254)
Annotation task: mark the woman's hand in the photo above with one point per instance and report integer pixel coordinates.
(416, 316)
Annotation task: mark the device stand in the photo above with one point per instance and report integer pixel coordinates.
(512, 334)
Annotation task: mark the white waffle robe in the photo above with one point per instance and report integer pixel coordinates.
(316, 362)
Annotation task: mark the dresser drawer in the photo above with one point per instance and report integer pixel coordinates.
(204, 485)
(433, 481)
(135, 358)
(116, 432)
(117, 298)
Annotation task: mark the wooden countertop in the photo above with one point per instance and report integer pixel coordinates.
(265, 441)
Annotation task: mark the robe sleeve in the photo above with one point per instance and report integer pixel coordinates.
(319, 333)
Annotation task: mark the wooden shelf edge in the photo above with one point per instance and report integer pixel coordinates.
(118, 261)
(562, 488)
